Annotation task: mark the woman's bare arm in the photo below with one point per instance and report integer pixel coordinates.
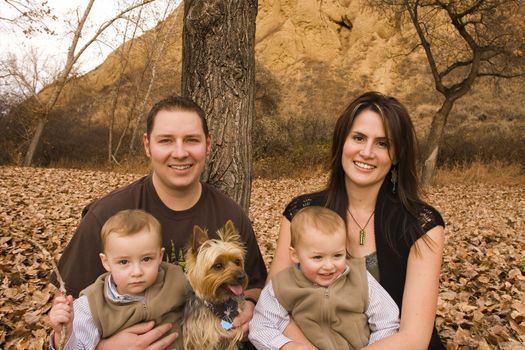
(281, 258)
(420, 295)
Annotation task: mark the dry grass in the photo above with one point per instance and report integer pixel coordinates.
(493, 173)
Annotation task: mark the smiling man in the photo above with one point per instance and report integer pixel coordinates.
(177, 143)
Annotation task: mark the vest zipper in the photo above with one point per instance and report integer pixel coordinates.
(145, 310)
(327, 317)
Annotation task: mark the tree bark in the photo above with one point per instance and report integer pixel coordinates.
(34, 141)
(439, 121)
(218, 73)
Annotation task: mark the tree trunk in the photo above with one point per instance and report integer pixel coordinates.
(434, 141)
(218, 72)
(42, 121)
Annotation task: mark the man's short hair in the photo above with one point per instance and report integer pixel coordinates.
(175, 103)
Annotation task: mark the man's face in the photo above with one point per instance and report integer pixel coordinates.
(177, 147)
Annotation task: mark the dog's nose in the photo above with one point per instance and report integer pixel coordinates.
(240, 277)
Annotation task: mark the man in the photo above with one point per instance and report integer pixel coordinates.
(177, 142)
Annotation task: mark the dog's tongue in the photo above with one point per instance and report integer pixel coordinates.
(235, 288)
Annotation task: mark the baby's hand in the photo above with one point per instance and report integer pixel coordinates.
(61, 315)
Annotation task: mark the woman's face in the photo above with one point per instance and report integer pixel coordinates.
(366, 157)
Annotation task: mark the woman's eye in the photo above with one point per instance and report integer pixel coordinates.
(383, 144)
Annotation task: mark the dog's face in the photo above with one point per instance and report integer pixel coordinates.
(215, 267)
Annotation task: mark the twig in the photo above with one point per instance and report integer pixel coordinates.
(62, 285)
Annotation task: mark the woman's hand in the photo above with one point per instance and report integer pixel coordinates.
(299, 341)
(140, 337)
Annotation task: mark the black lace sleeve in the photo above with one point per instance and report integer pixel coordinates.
(303, 201)
(429, 218)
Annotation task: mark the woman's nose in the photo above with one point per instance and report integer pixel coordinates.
(367, 151)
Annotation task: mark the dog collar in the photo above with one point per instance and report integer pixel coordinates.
(226, 311)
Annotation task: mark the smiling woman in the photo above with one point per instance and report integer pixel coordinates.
(373, 175)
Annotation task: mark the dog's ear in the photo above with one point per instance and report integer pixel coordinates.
(229, 233)
(200, 236)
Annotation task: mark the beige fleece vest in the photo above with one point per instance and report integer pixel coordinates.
(163, 302)
(332, 317)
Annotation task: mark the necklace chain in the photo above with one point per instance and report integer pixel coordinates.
(361, 229)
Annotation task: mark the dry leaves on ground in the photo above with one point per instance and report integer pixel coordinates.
(482, 293)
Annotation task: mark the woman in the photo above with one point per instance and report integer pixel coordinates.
(373, 176)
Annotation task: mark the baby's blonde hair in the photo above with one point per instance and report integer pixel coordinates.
(323, 219)
(128, 222)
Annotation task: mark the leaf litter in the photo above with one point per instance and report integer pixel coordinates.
(481, 302)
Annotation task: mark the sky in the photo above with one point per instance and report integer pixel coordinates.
(54, 47)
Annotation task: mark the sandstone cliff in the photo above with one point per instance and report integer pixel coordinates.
(312, 58)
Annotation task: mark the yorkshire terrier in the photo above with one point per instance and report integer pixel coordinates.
(215, 270)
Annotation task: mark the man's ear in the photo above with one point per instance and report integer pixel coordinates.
(105, 262)
(145, 141)
(293, 255)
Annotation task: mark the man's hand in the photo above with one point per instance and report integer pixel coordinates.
(141, 336)
(293, 345)
(244, 317)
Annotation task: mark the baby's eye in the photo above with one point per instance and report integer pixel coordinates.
(122, 262)
(147, 258)
(338, 256)
(317, 257)
(218, 266)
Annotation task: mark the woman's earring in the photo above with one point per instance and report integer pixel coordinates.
(393, 177)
